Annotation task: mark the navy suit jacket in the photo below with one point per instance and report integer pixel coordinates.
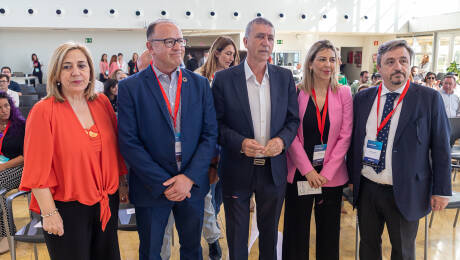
(423, 127)
(146, 135)
(235, 123)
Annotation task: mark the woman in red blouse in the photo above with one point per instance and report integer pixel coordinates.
(72, 163)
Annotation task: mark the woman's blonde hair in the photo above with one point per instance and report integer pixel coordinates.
(308, 81)
(52, 87)
(210, 66)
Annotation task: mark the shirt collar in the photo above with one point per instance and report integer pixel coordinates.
(160, 74)
(248, 71)
(385, 90)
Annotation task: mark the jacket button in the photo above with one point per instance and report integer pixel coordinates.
(395, 151)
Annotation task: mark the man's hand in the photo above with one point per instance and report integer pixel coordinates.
(179, 188)
(274, 147)
(251, 147)
(438, 202)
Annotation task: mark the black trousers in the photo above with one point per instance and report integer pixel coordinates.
(83, 237)
(269, 201)
(297, 216)
(377, 207)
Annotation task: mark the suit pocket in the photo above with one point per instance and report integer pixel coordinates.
(421, 131)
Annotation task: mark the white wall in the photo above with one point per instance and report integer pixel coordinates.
(383, 16)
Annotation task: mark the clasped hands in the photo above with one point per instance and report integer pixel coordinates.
(252, 148)
(179, 188)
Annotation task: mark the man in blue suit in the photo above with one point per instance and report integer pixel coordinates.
(399, 159)
(257, 112)
(167, 134)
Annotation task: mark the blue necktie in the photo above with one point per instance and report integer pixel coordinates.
(383, 134)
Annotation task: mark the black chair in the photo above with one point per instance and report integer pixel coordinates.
(27, 89)
(41, 90)
(127, 217)
(32, 232)
(25, 111)
(28, 100)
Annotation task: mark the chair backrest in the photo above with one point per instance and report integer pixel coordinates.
(27, 90)
(25, 111)
(18, 74)
(28, 100)
(454, 129)
(41, 90)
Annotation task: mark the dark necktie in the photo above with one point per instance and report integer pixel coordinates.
(383, 134)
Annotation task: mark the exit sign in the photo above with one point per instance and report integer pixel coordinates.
(279, 41)
(88, 40)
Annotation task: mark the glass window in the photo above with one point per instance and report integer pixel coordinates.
(443, 53)
(288, 59)
(456, 52)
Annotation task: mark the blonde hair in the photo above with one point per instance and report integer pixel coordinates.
(308, 81)
(209, 67)
(52, 87)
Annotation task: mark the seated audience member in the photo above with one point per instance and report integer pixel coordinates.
(431, 82)
(119, 75)
(132, 64)
(375, 77)
(451, 100)
(13, 84)
(11, 159)
(113, 65)
(111, 91)
(4, 82)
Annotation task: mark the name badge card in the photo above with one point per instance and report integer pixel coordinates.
(178, 147)
(318, 154)
(372, 152)
(303, 188)
(3, 159)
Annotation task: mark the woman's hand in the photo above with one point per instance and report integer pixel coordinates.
(53, 224)
(314, 179)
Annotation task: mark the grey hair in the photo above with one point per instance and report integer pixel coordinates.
(152, 25)
(448, 77)
(390, 45)
(258, 20)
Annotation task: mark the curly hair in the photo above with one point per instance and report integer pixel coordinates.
(17, 120)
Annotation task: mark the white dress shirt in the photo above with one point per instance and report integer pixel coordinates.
(386, 175)
(259, 102)
(123, 66)
(14, 95)
(451, 103)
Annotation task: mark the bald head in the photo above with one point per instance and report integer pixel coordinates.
(144, 60)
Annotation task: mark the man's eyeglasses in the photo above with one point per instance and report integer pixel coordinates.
(171, 42)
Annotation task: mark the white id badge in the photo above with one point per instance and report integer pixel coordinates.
(318, 154)
(372, 152)
(303, 188)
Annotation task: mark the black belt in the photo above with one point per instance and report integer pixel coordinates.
(386, 186)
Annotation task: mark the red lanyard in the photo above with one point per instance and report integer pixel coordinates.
(385, 121)
(177, 102)
(321, 121)
(3, 136)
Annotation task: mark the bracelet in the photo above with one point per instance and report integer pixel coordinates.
(50, 214)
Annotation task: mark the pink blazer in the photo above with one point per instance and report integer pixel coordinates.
(340, 109)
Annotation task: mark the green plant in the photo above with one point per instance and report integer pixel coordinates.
(453, 67)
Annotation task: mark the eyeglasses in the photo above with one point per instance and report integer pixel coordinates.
(171, 42)
(431, 78)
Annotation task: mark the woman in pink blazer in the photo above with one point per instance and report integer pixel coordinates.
(316, 157)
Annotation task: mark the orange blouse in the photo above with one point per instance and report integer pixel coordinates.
(76, 164)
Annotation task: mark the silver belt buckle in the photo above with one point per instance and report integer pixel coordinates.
(259, 162)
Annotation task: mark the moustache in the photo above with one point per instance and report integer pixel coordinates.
(397, 72)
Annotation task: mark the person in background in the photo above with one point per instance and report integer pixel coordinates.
(103, 68)
(415, 76)
(37, 68)
(77, 199)
(132, 64)
(113, 65)
(431, 82)
(4, 82)
(326, 117)
(375, 78)
(144, 60)
(121, 63)
(119, 75)
(451, 100)
(111, 91)
(203, 59)
(342, 79)
(13, 84)
(12, 128)
(192, 63)
(363, 79)
(363, 87)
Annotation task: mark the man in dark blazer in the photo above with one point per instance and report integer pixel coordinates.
(257, 113)
(399, 159)
(167, 134)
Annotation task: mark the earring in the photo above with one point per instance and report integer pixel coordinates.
(58, 84)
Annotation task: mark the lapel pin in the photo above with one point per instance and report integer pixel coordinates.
(184, 79)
